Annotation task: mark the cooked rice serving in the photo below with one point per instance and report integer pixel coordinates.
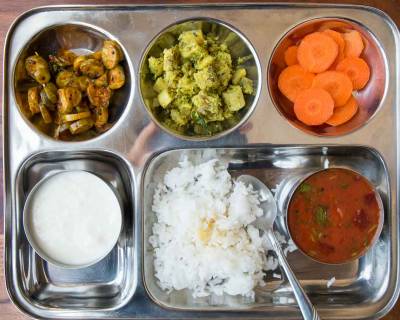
(203, 239)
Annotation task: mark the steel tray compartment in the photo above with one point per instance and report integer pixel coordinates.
(358, 284)
(108, 284)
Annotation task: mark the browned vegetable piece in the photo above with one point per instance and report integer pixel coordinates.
(92, 68)
(78, 61)
(101, 81)
(68, 98)
(45, 113)
(67, 56)
(66, 79)
(76, 116)
(83, 83)
(33, 99)
(61, 128)
(116, 78)
(99, 96)
(51, 92)
(57, 119)
(46, 102)
(37, 68)
(101, 116)
(111, 54)
(81, 125)
(96, 55)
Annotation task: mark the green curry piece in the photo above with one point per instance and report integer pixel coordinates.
(165, 97)
(233, 98)
(223, 67)
(171, 59)
(247, 85)
(187, 86)
(209, 106)
(156, 66)
(238, 75)
(191, 45)
(207, 79)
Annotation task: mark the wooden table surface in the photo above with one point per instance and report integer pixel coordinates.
(9, 10)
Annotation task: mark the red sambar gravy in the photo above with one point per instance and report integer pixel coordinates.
(334, 215)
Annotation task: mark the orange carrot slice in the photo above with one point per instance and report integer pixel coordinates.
(313, 106)
(354, 44)
(338, 38)
(338, 84)
(291, 56)
(344, 113)
(293, 80)
(357, 70)
(316, 52)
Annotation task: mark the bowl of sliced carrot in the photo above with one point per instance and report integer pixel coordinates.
(328, 76)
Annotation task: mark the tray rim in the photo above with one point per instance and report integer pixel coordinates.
(178, 6)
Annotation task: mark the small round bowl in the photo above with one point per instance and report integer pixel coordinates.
(81, 39)
(369, 98)
(239, 46)
(27, 225)
(292, 188)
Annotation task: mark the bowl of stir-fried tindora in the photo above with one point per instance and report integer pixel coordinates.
(72, 82)
(200, 79)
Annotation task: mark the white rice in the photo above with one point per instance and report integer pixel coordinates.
(203, 238)
(330, 282)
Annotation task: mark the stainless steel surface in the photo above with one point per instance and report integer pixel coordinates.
(370, 98)
(28, 225)
(360, 284)
(238, 45)
(80, 38)
(354, 295)
(266, 223)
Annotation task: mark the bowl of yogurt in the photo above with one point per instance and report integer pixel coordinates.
(72, 219)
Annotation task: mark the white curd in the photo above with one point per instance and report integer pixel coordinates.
(74, 218)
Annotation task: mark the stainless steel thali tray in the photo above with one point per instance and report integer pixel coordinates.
(267, 146)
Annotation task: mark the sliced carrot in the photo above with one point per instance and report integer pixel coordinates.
(291, 56)
(357, 70)
(313, 106)
(317, 51)
(338, 84)
(293, 80)
(344, 113)
(338, 38)
(354, 44)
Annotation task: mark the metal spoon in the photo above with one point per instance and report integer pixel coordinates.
(266, 223)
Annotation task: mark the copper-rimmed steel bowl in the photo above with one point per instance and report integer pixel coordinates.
(369, 98)
(239, 46)
(294, 184)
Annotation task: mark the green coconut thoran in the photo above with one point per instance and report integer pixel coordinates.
(198, 89)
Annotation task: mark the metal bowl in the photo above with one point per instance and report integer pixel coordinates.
(295, 183)
(28, 228)
(238, 45)
(369, 98)
(81, 39)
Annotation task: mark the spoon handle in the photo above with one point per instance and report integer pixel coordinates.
(307, 309)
